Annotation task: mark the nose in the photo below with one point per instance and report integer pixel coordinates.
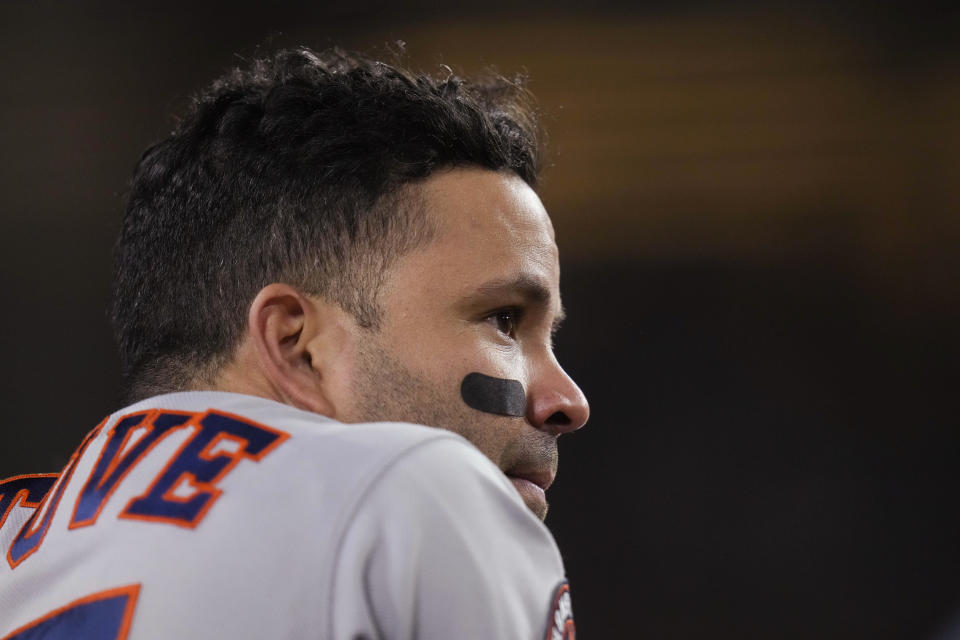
(555, 403)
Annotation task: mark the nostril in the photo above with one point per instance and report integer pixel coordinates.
(559, 419)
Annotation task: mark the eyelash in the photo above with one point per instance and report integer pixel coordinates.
(517, 314)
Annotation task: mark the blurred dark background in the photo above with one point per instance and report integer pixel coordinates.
(757, 208)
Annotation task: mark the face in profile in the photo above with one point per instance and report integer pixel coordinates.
(482, 297)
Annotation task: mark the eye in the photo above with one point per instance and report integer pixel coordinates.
(506, 321)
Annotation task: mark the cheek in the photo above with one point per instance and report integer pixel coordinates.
(494, 436)
(451, 358)
(494, 357)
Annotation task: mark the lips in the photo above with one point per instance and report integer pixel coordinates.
(542, 479)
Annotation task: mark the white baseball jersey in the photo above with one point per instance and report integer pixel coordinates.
(218, 515)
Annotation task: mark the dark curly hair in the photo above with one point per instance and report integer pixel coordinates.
(300, 169)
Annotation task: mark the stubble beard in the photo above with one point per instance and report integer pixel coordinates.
(388, 391)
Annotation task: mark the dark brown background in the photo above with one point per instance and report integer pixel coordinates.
(757, 207)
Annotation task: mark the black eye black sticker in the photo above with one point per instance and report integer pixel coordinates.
(494, 395)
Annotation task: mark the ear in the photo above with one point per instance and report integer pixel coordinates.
(296, 339)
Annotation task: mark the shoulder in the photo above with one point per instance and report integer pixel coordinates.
(445, 494)
(375, 480)
(426, 466)
(440, 544)
(445, 471)
(446, 488)
(316, 457)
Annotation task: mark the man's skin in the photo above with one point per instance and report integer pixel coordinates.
(482, 296)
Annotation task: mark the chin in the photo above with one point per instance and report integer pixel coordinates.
(538, 509)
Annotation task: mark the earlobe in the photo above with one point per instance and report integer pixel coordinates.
(284, 325)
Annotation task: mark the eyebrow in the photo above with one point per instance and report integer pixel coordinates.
(533, 290)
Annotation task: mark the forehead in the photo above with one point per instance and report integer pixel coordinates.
(490, 228)
(491, 219)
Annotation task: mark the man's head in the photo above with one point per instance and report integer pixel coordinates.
(353, 239)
